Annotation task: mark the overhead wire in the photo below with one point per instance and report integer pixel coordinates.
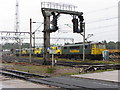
(98, 10)
(104, 34)
(105, 19)
(106, 26)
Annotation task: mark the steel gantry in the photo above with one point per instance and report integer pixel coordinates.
(54, 9)
(8, 37)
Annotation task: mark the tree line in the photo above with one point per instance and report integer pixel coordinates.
(112, 45)
(109, 45)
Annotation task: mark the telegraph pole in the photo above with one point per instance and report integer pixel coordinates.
(84, 42)
(30, 39)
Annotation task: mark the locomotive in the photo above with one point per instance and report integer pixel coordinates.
(92, 50)
(75, 51)
(25, 52)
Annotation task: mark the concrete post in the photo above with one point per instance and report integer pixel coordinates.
(46, 36)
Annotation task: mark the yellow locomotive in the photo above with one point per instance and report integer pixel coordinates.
(37, 51)
(92, 51)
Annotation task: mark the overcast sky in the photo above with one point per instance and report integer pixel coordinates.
(100, 18)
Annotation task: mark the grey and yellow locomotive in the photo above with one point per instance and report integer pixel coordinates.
(92, 50)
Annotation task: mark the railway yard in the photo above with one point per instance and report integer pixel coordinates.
(67, 75)
(51, 56)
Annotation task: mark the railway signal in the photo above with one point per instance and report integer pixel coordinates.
(81, 18)
(81, 23)
(81, 27)
(54, 9)
(75, 24)
(54, 27)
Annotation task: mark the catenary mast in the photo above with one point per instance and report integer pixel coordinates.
(17, 26)
(17, 17)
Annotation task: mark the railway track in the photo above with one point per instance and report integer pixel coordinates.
(63, 83)
(63, 63)
(20, 73)
(68, 82)
(38, 79)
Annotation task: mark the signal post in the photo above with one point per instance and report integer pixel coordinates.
(55, 9)
(46, 35)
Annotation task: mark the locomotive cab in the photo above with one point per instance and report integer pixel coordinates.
(97, 48)
(37, 51)
(57, 49)
(96, 52)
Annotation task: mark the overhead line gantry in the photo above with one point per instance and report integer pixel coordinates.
(55, 9)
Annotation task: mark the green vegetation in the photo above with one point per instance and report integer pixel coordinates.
(91, 61)
(81, 61)
(67, 74)
(15, 45)
(109, 45)
(100, 61)
(27, 67)
(47, 70)
(50, 69)
(41, 69)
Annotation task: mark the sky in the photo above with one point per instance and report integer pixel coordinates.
(100, 16)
